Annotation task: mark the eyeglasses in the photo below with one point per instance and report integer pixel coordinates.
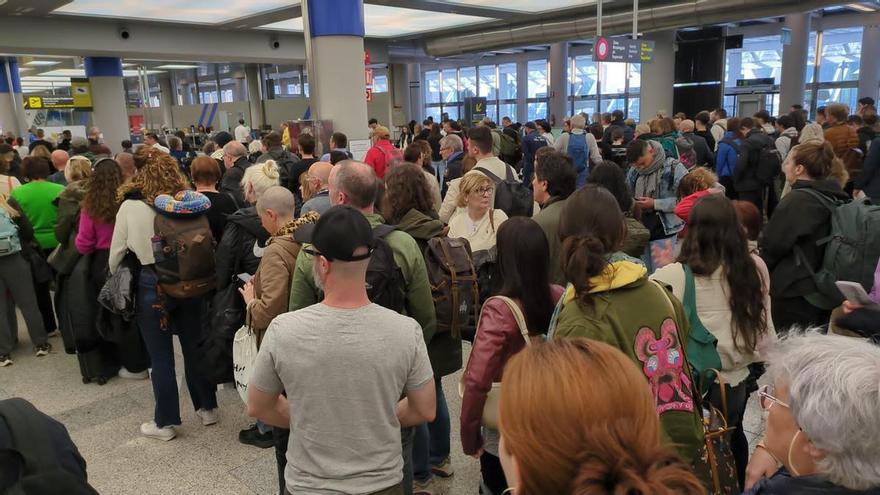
(483, 191)
(767, 401)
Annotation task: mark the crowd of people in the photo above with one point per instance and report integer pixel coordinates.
(620, 286)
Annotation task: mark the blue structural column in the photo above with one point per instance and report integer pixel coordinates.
(11, 104)
(335, 49)
(108, 99)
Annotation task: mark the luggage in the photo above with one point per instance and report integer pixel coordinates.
(97, 362)
(511, 196)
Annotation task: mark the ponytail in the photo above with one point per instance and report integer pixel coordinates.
(583, 257)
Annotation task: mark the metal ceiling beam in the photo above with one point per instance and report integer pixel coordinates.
(451, 8)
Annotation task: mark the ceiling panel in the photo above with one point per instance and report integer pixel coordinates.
(197, 12)
(530, 6)
(383, 22)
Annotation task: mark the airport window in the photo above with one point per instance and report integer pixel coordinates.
(604, 87)
(537, 98)
(467, 78)
(488, 82)
(446, 89)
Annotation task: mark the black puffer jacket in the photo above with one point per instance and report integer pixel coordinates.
(799, 220)
(241, 246)
(746, 179)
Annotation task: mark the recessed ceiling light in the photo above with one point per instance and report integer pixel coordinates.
(42, 63)
(861, 7)
(177, 66)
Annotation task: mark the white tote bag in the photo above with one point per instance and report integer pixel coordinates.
(244, 353)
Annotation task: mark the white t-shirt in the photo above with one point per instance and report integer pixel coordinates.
(344, 371)
(7, 184)
(241, 133)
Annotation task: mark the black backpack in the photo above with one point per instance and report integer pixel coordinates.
(769, 164)
(36, 453)
(385, 283)
(511, 196)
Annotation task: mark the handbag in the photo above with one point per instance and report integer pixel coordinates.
(490, 408)
(713, 463)
(244, 353)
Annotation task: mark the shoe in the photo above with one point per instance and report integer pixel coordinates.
(209, 416)
(43, 349)
(53, 333)
(5, 360)
(426, 488)
(252, 436)
(444, 469)
(165, 433)
(129, 375)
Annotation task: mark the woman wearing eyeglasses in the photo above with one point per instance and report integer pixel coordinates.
(475, 220)
(823, 408)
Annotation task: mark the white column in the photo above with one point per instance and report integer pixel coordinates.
(108, 100)
(794, 59)
(254, 95)
(167, 99)
(869, 63)
(658, 77)
(416, 95)
(522, 93)
(559, 84)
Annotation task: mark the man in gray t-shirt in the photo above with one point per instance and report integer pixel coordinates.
(343, 363)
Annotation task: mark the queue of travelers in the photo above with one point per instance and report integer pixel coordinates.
(686, 254)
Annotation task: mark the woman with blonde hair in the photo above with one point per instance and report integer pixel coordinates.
(160, 315)
(17, 235)
(813, 133)
(475, 220)
(556, 437)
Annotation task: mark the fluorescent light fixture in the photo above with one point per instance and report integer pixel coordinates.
(42, 63)
(529, 6)
(177, 66)
(173, 10)
(82, 73)
(41, 78)
(385, 22)
(861, 7)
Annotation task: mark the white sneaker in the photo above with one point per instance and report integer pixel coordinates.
(149, 429)
(5, 360)
(209, 416)
(124, 373)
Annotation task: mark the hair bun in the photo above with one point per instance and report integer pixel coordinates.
(271, 169)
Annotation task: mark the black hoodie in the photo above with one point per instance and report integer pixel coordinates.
(799, 220)
(241, 246)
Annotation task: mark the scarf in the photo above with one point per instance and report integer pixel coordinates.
(183, 204)
(648, 181)
(290, 227)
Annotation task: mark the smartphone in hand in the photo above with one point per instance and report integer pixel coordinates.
(854, 292)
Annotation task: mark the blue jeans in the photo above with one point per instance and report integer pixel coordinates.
(582, 177)
(184, 319)
(431, 445)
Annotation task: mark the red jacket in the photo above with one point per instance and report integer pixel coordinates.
(498, 338)
(685, 205)
(379, 156)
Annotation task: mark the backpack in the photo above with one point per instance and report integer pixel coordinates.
(686, 154)
(511, 196)
(510, 151)
(10, 243)
(385, 282)
(577, 150)
(769, 164)
(742, 159)
(393, 156)
(183, 248)
(851, 249)
(702, 346)
(454, 286)
(36, 449)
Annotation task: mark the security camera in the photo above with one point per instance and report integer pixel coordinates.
(124, 33)
(275, 44)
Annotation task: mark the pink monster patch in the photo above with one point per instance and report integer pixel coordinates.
(663, 364)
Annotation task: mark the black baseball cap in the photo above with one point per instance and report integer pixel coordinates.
(340, 232)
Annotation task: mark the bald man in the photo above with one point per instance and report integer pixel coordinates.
(127, 165)
(705, 157)
(59, 161)
(319, 182)
(236, 162)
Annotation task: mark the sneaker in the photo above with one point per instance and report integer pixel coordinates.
(164, 433)
(43, 349)
(129, 375)
(424, 488)
(252, 436)
(444, 469)
(209, 416)
(5, 360)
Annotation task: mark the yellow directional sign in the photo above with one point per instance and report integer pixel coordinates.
(35, 102)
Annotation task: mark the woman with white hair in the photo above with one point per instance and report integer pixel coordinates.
(823, 408)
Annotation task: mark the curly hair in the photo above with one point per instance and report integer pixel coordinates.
(699, 179)
(100, 200)
(407, 189)
(160, 175)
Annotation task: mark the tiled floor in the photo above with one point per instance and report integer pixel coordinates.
(104, 421)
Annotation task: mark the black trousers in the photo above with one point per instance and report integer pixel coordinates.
(788, 312)
(493, 474)
(754, 197)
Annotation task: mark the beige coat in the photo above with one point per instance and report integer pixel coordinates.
(484, 236)
(713, 309)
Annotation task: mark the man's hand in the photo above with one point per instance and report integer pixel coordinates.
(761, 465)
(645, 203)
(849, 306)
(247, 292)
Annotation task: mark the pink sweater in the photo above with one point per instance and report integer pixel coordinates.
(92, 234)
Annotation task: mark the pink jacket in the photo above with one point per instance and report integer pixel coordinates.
(92, 234)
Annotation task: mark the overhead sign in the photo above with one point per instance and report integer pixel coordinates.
(80, 98)
(475, 108)
(623, 50)
(759, 81)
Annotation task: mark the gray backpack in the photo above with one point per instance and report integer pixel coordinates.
(10, 243)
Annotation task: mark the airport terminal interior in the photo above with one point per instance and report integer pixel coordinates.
(654, 222)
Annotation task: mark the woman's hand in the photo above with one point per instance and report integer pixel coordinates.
(761, 465)
(247, 292)
(849, 306)
(478, 454)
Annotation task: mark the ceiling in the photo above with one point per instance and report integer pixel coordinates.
(388, 19)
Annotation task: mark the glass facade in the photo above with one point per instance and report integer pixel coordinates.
(604, 87)
(445, 90)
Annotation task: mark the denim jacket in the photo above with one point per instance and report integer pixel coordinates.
(666, 197)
